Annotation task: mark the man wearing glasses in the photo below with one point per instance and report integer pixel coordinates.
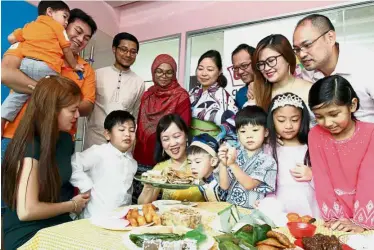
(241, 59)
(314, 42)
(117, 88)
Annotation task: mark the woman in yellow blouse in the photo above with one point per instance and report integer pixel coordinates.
(171, 145)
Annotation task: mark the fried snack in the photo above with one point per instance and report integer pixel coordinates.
(283, 239)
(293, 217)
(145, 209)
(179, 177)
(141, 220)
(128, 215)
(266, 247)
(271, 242)
(133, 222)
(148, 218)
(306, 219)
(156, 219)
(135, 213)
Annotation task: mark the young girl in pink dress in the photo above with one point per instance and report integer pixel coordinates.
(288, 119)
(342, 155)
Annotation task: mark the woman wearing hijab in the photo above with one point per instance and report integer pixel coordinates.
(166, 96)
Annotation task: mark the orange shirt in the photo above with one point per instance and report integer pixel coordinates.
(87, 86)
(44, 40)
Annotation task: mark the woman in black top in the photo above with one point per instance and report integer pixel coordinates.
(36, 168)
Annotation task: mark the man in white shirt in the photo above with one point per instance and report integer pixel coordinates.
(107, 170)
(117, 88)
(314, 42)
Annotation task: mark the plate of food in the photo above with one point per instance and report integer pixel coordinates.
(169, 179)
(162, 203)
(320, 241)
(128, 219)
(168, 237)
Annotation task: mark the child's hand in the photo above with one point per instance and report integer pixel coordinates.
(231, 156)
(222, 154)
(256, 204)
(302, 173)
(79, 67)
(279, 140)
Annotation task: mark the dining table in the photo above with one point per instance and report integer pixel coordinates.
(82, 234)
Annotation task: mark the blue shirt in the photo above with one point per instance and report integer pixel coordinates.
(241, 97)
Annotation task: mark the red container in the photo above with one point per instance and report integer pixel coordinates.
(301, 229)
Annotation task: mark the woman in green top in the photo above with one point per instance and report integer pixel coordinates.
(171, 152)
(36, 168)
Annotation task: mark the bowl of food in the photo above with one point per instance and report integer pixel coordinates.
(301, 229)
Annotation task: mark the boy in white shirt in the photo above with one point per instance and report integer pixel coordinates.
(107, 170)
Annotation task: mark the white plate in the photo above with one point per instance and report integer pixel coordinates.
(206, 245)
(110, 223)
(114, 224)
(358, 241)
(161, 203)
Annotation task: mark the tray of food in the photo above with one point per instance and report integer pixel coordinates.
(169, 179)
(168, 237)
(127, 219)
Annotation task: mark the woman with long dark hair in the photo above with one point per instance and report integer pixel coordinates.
(37, 166)
(274, 64)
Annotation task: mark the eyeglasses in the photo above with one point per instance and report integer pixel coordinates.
(124, 50)
(242, 66)
(160, 72)
(270, 61)
(306, 46)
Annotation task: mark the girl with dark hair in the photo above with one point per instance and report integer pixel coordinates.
(171, 152)
(289, 118)
(37, 168)
(342, 154)
(213, 108)
(274, 64)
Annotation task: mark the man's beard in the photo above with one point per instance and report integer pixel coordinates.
(126, 67)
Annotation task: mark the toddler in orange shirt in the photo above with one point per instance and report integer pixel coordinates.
(45, 45)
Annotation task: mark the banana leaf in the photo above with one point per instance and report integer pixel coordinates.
(257, 217)
(246, 246)
(228, 218)
(196, 234)
(227, 245)
(138, 239)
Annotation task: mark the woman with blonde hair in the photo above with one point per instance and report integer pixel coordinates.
(37, 166)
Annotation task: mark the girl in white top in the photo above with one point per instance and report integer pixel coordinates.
(107, 170)
(288, 119)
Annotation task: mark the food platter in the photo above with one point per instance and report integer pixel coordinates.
(127, 219)
(206, 245)
(164, 185)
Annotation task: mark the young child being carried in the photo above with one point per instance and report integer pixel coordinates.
(45, 45)
(247, 172)
(202, 157)
(288, 120)
(107, 170)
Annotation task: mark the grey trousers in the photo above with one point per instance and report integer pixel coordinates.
(15, 101)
